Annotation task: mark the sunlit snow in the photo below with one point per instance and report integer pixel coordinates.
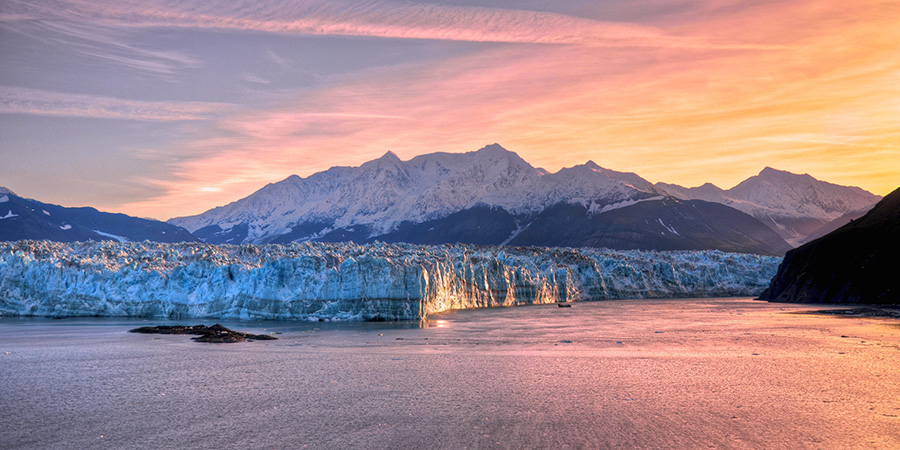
(113, 236)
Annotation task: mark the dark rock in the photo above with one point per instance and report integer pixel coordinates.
(856, 263)
(214, 334)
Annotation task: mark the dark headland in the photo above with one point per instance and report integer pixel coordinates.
(858, 263)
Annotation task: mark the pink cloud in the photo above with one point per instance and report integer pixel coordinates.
(821, 100)
(375, 19)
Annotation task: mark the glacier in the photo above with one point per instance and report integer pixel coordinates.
(345, 281)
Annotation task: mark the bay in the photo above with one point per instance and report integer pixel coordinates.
(685, 373)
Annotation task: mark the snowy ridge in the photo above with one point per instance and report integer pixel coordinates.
(388, 195)
(318, 281)
(386, 191)
(792, 205)
(776, 193)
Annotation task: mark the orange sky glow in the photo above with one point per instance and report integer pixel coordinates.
(713, 95)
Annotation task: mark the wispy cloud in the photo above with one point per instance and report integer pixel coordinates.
(385, 19)
(810, 138)
(812, 104)
(95, 40)
(687, 99)
(255, 79)
(279, 60)
(16, 100)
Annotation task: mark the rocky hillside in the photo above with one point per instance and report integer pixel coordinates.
(857, 263)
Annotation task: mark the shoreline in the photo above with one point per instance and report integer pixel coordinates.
(873, 311)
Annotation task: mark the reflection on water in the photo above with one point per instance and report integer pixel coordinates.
(693, 373)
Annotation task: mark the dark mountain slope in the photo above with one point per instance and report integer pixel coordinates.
(857, 263)
(22, 218)
(480, 225)
(667, 224)
(835, 224)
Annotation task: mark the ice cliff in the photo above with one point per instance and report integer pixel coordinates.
(325, 281)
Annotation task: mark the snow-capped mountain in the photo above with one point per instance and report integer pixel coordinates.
(22, 218)
(492, 196)
(792, 205)
(382, 195)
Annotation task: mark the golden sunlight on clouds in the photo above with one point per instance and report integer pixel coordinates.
(820, 95)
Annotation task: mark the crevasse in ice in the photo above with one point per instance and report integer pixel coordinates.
(326, 281)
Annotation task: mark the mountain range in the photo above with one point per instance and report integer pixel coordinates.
(22, 218)
(492, 196)
(794, 206)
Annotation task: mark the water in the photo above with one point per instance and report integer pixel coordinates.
(699, 373)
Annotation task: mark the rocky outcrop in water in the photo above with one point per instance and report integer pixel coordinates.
(216, 334)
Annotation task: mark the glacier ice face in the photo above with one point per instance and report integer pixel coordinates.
(345, 281)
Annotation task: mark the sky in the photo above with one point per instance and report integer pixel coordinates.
(165, 108)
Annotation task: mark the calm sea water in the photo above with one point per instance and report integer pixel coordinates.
(694, 374)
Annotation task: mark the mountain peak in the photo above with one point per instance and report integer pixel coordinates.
(389, 156)
(708, 187)
(493, 149)
(591, 168)
(388, 160)
(4, 190)
(769, 173)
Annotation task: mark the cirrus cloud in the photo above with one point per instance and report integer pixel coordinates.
(383, 19)
(17, 100)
